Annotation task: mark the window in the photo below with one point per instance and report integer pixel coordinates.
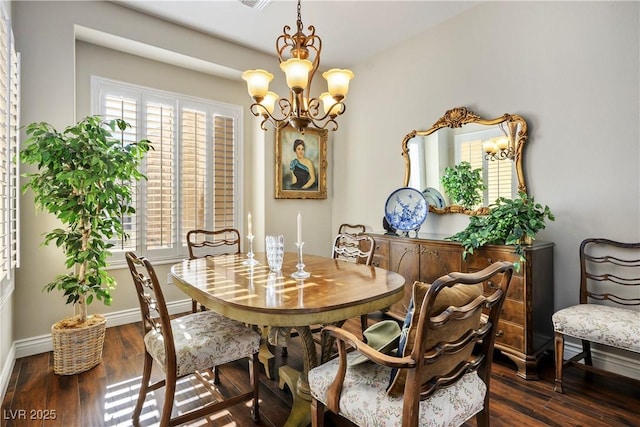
(192, 173)
(9, 124)
(498, 176)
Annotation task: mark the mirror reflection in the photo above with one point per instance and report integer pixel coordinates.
(460, 148)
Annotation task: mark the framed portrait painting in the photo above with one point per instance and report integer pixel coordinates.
(301, 164)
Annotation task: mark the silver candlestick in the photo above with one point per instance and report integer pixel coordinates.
(300, 274)
(250, 259)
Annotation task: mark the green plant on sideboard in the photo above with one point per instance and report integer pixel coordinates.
(509, 222)
(463, 185)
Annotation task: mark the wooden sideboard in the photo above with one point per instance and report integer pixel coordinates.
(525, 330)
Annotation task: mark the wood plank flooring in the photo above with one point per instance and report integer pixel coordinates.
(105, 395)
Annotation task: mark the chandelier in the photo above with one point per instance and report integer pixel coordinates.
(502, 148)
(299, 56)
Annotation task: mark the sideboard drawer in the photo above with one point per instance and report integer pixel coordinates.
(381, 261)
(381, 248)
(510, 335)
(482, 258)
(516, 287)
(513, 311)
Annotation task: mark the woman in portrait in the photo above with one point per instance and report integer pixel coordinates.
(303, 174)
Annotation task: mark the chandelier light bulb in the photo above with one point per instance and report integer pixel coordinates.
(338, 82)
(269, 101)
(503, 143)
(327, 102)
(257, 83)
(297, 73)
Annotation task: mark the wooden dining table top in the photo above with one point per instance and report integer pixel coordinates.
(336, 289)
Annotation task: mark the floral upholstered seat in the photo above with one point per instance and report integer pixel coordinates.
(613, 326)
(365, 402)
(203, 340)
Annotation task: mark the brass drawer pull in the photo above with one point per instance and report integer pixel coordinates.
(499, 333)
(491, 285)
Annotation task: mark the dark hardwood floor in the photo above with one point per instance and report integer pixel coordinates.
(105, 395)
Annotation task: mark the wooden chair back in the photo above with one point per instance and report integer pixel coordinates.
(609, 272)
(495, 279)
(203, 243)
(357, 248)
(153, 307)
(351, 229)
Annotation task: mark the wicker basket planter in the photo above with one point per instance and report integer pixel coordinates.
(77, 349)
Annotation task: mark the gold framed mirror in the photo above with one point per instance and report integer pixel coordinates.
(493, 148)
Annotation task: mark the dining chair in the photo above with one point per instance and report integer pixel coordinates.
(193, 344)
(607, 313)
(202, 243)
(356, 248)
(351, 228)
(440, 374)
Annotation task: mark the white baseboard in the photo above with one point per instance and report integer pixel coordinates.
(612, 362)
(7, 369)
(43, 344)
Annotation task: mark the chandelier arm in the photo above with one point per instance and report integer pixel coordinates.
(336, 110)
(332, 122)
(260, 110)
(301, 52)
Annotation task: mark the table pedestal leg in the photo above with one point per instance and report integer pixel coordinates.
(267, 359)
(298, 382)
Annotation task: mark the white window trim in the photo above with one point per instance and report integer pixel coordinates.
(99, 84)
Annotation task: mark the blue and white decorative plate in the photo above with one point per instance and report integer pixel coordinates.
(434, 197)
(406, 209)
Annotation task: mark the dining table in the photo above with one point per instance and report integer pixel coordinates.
(243, 288)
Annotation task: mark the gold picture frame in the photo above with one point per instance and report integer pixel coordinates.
(311, 167)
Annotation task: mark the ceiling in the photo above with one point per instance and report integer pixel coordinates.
(351, 31)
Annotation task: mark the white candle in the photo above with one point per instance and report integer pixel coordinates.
(249, 224)
(299, 227)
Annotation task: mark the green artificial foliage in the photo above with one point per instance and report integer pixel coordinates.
(85, 177)
(509, 222)
(463, 185)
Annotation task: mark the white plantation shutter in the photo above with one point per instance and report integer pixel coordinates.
(160, 194)
(5, 155)
(224, 169)
(14, 169)
(125, 108)
(499, 178)
(9, 169)
(191, 170)
(194, 171)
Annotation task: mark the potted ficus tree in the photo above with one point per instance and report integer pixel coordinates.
(85, 177)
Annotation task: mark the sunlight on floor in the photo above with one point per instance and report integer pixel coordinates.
(120, 400)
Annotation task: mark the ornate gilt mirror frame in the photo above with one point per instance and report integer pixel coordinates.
(456, 118)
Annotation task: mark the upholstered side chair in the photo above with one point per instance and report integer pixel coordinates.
(441, 373)
(193, 344)
(609, 300)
